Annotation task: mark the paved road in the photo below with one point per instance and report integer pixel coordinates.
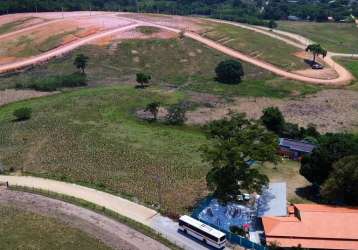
(134, 211)
(114, 234)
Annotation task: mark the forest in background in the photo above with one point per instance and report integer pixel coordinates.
(249, 11)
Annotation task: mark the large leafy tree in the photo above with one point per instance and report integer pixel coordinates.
(229, 71)
(342, 183)
(332, 147)
(234, 141)
(316, 50)
(273, 119)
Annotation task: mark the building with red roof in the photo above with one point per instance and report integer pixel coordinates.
(314, 226)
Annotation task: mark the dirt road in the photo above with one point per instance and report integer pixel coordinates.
(344, 76)
(62, 50)
(114, 234)
(165, 226)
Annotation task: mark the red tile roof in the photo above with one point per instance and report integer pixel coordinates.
(315, 226)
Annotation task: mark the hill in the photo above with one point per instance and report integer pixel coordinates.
(336, 37)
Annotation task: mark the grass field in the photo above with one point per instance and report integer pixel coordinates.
(13, 26)
(255, 44)
(336, 37)
(352, 66)
(172, 63)
(92, 136)
(287, 171)
(23, 230)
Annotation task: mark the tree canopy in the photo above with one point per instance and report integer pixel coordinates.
(342, 183)
(252, 12)
(316, 50)
(332, 147)
(234, 141)
(229, 71)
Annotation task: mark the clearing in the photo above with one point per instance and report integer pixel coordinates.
(336, 37)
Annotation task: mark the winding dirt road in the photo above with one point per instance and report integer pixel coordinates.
(114, 234)
(344, 76)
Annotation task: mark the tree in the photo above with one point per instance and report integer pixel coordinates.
(332, 147)
(273, 119)
(316, 50)
(176, 114)
(342, 183)
(143, 78)
(229, 71)
(234, 141)
(22, 114)
(81, 62)
(153, 108)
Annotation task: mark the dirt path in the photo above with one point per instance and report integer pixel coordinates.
(165, 226)
(112, 233)
(344, 76)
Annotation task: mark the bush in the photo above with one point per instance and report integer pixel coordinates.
(237, 230)
(22, 114)
(176, 114)
(229, 71)
(54, 83)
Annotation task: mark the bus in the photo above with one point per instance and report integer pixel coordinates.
(202, 232)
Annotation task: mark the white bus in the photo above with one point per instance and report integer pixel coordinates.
(202, 232)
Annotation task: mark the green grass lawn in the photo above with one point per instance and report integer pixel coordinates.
(177, 63)
(336, 37)
(92, 136)
(257, 45)
(22, 230)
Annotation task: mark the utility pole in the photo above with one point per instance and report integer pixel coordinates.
(63, 15)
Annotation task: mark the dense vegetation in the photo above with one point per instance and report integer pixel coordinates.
(239, 10)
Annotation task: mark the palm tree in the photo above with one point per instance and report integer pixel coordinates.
(153, 108)
(81, 62)
(316, 50)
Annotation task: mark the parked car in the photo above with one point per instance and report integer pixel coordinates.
(317, 66)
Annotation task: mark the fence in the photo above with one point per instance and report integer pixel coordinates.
(233, 238)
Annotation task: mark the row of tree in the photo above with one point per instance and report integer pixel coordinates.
(333, 165)
(238, 10)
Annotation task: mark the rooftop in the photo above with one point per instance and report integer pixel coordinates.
(273, 201)
(301, 146)
(315, 226)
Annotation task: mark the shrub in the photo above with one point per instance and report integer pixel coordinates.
(176, 114)
(237, 230)
(22, 114)
(229, 71)
(54, 83)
